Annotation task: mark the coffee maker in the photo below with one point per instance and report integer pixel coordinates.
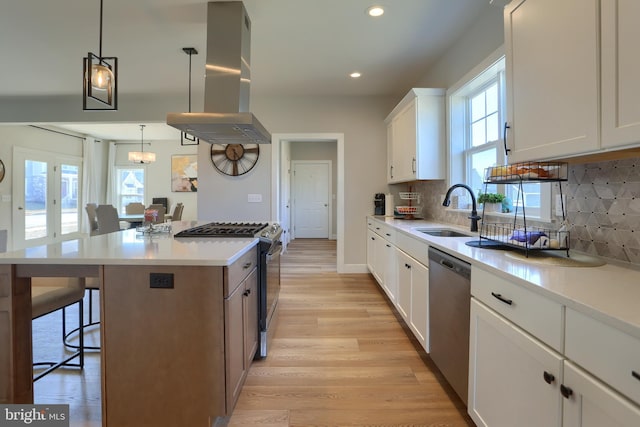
(378, 202)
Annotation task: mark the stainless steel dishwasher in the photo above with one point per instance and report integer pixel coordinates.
(449, 301)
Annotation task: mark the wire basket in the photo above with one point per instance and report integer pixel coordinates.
(530, 238)
(406, 195)
(527, 171)
(406, 210)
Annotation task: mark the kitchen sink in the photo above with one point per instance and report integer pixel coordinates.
(442, 232)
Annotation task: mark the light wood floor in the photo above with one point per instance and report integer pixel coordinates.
(339, 357)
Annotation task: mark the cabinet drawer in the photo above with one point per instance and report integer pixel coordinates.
(608, 353)
(236, 272)
(414, 247)
(534, 313)
(387, 232)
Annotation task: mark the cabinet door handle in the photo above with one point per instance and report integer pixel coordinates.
(388, 234)
(635, 375)
(501, 298)
(565, 391)
(247, 292)
(247, 265)
(391, 171)
(413, 165)
(504, 138)
(548, 377)
(407, 265)
(388, 246)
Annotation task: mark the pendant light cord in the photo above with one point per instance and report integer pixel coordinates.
(142, 138)
(100, 47)
(190, 53)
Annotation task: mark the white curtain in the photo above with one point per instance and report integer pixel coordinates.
(90, 179)
(111, 165)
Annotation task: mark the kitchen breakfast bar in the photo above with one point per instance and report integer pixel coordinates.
(178, 322)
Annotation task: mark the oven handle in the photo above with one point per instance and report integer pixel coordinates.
(276, 249)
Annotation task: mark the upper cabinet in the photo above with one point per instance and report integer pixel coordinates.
(552, 78)
(416, 137)
(620, 71)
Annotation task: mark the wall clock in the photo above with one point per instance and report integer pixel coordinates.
(234, 159)
(1, 171)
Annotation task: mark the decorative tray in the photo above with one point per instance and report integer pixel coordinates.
(527, 171)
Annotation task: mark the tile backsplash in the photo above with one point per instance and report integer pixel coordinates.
(603, 208)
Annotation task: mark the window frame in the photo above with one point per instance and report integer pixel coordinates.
(118, 196)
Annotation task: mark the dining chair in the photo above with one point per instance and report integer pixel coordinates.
(108, 220)
(50, 294)
(93, 220)
(134, 208)
(176, 212)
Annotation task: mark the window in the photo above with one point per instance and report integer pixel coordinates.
(129, 186)
(477, 113)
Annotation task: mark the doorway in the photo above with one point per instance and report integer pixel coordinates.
(281, 188)
(46, 204)
(311, 199)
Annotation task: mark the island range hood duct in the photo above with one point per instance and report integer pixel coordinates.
(226, 118)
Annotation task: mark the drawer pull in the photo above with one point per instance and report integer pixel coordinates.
(247, 292)
(407, 265)
(501, 298)
(565, 391)
(247, 265)
(388, 234)
(548, 378)
(635, 375)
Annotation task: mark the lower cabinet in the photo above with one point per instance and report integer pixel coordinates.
(514, 380)
(241, 337)
(590, 403)
(413, 296)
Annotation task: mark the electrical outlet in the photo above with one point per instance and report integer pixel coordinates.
(161, 280)
(560, 203)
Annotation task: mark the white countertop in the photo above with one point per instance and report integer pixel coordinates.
(131, 248)
(610, 293)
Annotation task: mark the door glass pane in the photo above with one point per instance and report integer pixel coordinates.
(130, 187)
(35, 198)
(69, 199)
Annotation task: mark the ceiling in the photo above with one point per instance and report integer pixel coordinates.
(298, 47)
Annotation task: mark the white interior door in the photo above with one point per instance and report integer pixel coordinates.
(46, 204)
(311, 198)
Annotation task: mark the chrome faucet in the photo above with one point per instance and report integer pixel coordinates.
(474, 212)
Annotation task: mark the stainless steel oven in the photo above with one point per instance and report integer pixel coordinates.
(270, 276)
(269, 251)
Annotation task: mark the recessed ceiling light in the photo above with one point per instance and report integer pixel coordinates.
(355, 75)
(375, 11)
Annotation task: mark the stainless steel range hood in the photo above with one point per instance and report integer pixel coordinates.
(226, 118)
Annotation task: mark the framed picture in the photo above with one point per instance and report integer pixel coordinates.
(184, 173)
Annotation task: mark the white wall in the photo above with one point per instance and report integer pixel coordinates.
(483, 37)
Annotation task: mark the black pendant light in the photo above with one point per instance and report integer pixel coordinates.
(185, 138)
(100, 73)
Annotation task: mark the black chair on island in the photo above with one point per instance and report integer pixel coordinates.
(49, 294)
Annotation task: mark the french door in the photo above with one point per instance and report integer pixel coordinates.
(46, 201)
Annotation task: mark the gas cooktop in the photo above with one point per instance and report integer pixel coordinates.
(224, 229)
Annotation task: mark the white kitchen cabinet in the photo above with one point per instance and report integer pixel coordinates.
(607, 352)
(552, 67)
(620, 71)
(381, 256)
(590, 403)
(413, 296)
(416, 137)
(514, 379)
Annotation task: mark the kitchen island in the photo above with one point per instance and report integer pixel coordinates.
(176, 316)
